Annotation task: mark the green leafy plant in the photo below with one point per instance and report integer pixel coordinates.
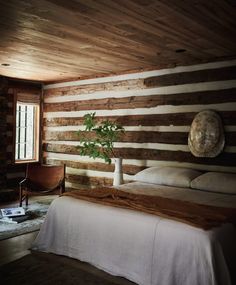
(97, 141)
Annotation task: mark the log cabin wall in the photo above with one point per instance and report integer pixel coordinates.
(3, 131)
(156, 108)
(15, 172)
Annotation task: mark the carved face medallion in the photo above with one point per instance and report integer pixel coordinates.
(206, 136)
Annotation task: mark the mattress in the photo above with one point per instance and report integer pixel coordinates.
(146, 249)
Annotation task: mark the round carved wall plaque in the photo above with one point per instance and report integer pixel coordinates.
(206, 137)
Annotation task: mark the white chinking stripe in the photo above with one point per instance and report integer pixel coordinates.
(74, 185)
(135, 128)
(231, 149)
(161, 146)
(163, 109)
(166, 90)
(146, 163)
(127, 128)
(79, 186)
(144, 74)
(74, 157)
(94, 173)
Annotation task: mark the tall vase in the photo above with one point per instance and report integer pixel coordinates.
(118, 174)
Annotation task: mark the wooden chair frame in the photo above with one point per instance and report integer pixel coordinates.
(28, 186)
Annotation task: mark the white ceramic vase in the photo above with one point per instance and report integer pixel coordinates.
(118, 174)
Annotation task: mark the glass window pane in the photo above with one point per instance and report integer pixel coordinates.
(17, 135)
(22, 148)
(17, 116)
(22, 135)
(25, 131)
(30, 132)
(22, 116)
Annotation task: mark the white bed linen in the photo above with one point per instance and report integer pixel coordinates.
(144, 248)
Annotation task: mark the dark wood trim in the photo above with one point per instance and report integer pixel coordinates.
(89, 181)
(136, 137)
(41, 110)
(175, 119)
(129, 136)
(226, 73)
(14, 127)
(225, 158)
(98, 166)
(230, 138)
(14, 182)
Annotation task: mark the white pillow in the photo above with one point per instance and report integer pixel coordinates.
(171, 176)
(216, 182)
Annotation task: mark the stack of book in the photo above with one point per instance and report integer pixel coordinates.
(13, 215)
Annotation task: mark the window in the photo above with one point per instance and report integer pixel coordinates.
(27, 132)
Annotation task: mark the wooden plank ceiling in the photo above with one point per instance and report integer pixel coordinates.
(54, 40)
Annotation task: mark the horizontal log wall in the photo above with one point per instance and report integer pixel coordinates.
(156, 109)
(3, 138)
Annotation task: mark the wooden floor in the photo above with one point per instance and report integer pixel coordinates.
(16, 247)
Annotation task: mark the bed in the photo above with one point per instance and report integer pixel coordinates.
(145, 248)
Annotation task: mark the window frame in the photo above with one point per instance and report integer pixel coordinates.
(36, 130)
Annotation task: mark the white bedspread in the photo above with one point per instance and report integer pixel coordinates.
(144, 248)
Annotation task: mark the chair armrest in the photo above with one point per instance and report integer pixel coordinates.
(23, 181)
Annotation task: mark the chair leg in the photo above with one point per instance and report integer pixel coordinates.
(26, 199)
(20, 197)
(61, 190)
(63, 187)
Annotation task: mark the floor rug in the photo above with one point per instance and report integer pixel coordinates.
(43, 268)
(36, 213)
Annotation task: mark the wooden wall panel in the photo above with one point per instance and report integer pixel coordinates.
(3, 138)
(156, 112)
(134, 102)
(136, 137)
(178, 119)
